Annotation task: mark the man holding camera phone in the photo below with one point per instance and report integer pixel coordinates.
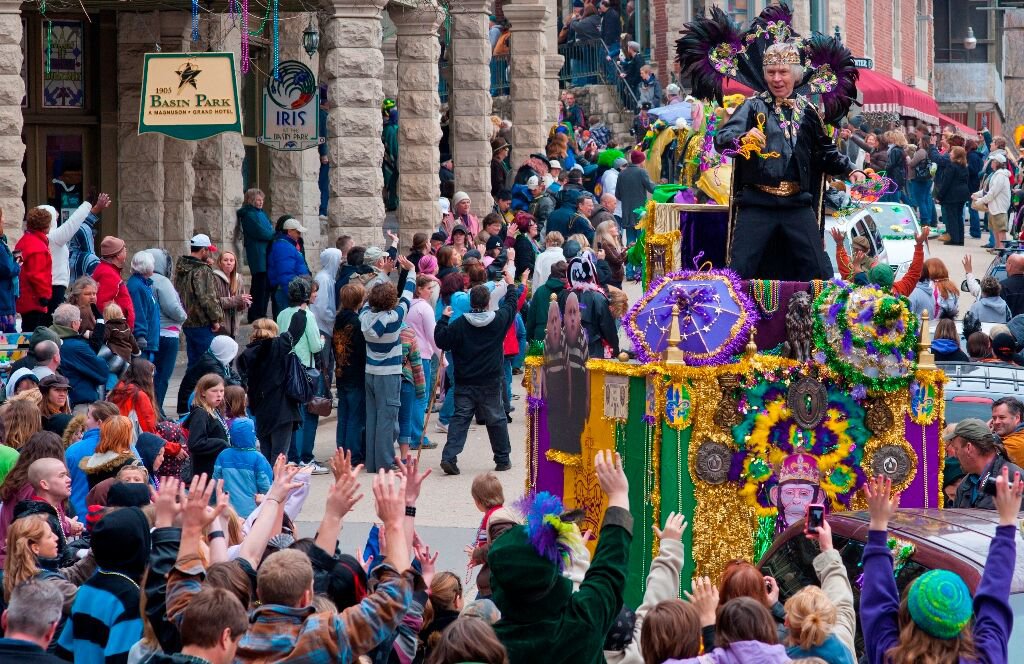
(982, 457)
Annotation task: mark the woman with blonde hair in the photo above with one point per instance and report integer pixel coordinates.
(21, 419)
(607, 239)
(32, 553)
(113, 452)
(229, 290)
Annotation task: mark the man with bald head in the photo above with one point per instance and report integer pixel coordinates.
(605, 211)
(1013, 284)
(51, 482)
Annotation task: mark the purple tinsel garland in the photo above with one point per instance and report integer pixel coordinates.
(533, 404)
(724, 352)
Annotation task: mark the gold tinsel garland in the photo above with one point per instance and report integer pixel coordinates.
(719, 506)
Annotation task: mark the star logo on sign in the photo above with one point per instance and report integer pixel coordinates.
(187, 75)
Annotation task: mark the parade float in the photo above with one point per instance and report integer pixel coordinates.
(744, 403)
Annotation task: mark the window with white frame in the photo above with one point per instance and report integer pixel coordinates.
(921, 42)
(897, 35)
(869, 29)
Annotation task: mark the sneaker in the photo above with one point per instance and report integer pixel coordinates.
(449, 468)
(316, 469)
(441, 427)
(503, 466)
(944, 237)
(428, 445)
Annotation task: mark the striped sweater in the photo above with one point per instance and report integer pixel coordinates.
(104, 623)
(412, 362)
(382, 331)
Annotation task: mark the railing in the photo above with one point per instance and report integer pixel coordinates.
(589, 63)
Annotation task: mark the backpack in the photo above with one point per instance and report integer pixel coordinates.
(923, 170)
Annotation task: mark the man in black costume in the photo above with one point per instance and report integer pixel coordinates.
(775, 227)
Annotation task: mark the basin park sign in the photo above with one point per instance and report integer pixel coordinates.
(291, 109)
(189, 96)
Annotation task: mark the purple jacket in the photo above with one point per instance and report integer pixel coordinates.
(740, 652)
(880, 602)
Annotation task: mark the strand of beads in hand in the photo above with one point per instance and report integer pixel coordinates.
(748, 146)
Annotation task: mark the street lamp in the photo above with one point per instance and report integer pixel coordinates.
(970, 41)
(310, 38)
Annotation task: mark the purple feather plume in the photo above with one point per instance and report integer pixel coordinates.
(543, 536)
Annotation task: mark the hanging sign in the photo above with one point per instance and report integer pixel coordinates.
(616, 397)
(291, 109)
(189, 96)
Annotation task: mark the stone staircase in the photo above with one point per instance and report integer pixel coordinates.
(603, 101)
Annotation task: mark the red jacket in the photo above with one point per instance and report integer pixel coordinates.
(36, 272)
(113, 289)
(511, 343)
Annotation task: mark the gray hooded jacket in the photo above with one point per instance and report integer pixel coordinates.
(172, 314)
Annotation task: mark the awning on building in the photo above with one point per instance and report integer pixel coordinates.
(945, 120)
(883, 94)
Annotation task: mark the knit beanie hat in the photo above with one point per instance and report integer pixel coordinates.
(427, 265)
(224, 348)
(128, 494)
(881, 275)
(120, 542)
(111, 246)
(149, 446)
(940, 603)
(636, 157)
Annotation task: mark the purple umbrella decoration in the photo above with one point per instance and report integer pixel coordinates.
(715, 316)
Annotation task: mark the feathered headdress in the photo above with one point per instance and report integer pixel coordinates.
(713, 48)
(552, 538)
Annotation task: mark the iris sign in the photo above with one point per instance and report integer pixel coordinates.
(291, 109)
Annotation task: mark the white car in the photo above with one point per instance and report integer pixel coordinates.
(890, 229)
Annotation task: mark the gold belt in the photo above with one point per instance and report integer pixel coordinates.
(784, 189)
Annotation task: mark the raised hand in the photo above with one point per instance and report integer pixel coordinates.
(428, 563)
(102, 203)
(922, 237)
(881, 506)
(837, 235)
(389, 498)
(284, 480)
(823, 535)
(1008, 497)
(675, 526)
(197, 512)
(341, 463)
(343, 495)
(386, 265)
(704, 598)
(612, 477)
(968, 264)
(772, 589)
(169, 501)
(410, 470)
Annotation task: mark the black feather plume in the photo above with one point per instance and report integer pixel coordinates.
(831, 73)
(705, 51)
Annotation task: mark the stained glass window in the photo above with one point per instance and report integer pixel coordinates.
(63, 64)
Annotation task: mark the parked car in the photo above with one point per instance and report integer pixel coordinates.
(973, 386)
(890, 229)
(951, 539)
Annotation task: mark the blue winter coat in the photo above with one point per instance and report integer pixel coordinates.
(9, 271)
(243, 468)
(285, 262)
(257, 234)
(147, 312)
(83, 368)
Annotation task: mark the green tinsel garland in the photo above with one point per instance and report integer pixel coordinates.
(536, 347)
(764, 536)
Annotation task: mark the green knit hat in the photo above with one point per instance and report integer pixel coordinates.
(940, 603)
(881, 275)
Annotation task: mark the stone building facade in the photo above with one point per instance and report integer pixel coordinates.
(165, 190)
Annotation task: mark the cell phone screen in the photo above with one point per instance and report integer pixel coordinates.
(815, 517)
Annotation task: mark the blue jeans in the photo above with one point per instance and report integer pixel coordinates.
(407, 412)
(975, 223)
(508, 382)
(197, 342)
(352, 420)
(921, 195)
(448, 406)
(166, 357)
(420, 410)
(325, 187)
(304, 438)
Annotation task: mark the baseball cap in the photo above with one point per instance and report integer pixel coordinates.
(201, 241)
(533, 182)
(554, 165)
(998, 157)
(294, 225)
(620, 163)
(576, 167)
(970, 429)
